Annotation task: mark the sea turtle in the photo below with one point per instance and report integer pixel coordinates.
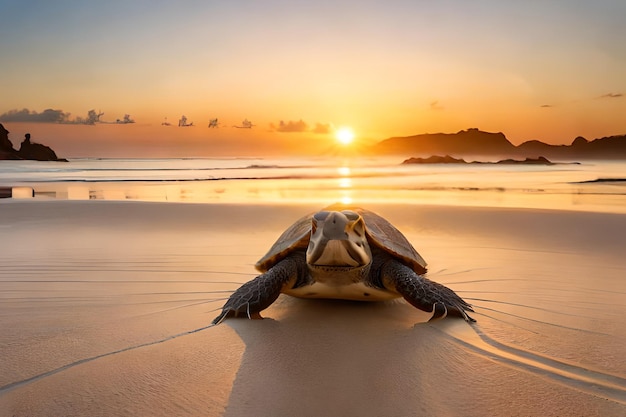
(343, 253)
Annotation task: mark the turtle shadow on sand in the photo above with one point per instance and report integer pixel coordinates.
(337, 358)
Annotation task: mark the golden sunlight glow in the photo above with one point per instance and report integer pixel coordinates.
(345, 183)
(344, 177)
(344, 135)
(344, 171)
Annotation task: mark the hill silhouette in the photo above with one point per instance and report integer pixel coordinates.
(610, 147)
(474, 142)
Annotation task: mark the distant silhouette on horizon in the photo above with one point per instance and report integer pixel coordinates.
(183, 122)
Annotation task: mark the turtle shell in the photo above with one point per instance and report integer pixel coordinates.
(380, 234)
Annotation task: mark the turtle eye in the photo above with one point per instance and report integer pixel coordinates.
(351, 215)
(321, 215)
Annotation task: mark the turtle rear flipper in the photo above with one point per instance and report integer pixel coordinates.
(256, 295)
(423, 293)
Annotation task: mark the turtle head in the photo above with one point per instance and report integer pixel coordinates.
(338, 240)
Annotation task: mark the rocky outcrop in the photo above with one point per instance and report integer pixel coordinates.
(28, 150)
(36, 151)
(579, 142)
(528, 161)
(435, 159)
(450, 160)
(6, 147)
(5, 143)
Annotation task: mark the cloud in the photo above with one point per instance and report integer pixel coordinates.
(301, 126)
(322, 128)
(25, 115)
(290, 126)
(612, 95)
(49, 116)
(434, 105)
(546, 106)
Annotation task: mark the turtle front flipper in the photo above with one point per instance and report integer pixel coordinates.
(423, 293)
(256, 295)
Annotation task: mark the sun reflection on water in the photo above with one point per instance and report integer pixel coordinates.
(345, 184)
(344, 171)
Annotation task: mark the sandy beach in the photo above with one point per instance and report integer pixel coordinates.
(105, 311)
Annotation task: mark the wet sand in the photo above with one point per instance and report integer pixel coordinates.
(105, 310)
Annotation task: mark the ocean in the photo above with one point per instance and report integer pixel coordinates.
(598, 186)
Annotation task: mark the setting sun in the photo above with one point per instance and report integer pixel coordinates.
(344, 135)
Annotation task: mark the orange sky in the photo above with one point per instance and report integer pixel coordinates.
(531, 70)
(145, 140)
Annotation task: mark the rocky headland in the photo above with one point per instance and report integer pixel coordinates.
(480, 144)
(28, 150)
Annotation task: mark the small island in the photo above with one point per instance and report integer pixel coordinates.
(435, 159)
(28, 150)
